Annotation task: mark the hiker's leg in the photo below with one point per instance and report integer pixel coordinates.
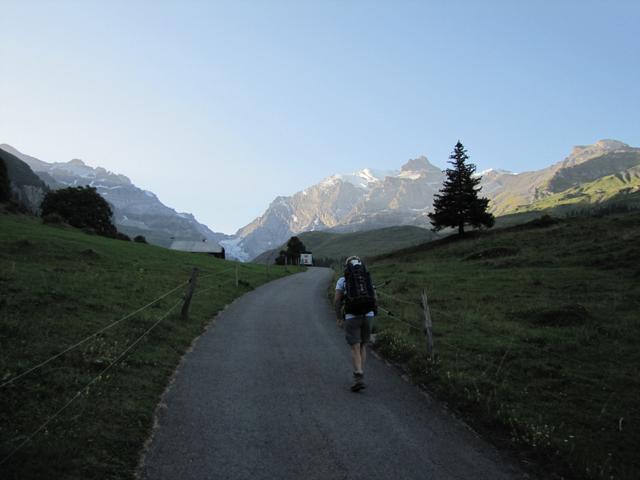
(352, 331)
(365, 333)
(356, 357)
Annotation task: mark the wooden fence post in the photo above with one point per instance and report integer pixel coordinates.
(427, 323)
(187, 296)
(237, 279)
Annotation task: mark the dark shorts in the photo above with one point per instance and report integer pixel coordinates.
(357, 329)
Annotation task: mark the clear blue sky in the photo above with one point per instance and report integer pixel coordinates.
(220, 106)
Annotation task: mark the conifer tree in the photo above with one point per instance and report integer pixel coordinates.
(458, 203)
(294, 248)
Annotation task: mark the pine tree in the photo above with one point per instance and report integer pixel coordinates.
(458, 203)
(294, 248)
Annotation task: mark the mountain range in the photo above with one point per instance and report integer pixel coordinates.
(364, 200)
(371, 199)
(136, 211)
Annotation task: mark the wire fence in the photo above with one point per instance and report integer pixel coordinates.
(185, 299)
(462, 354)
(399, 300)
(91, 382)
(89, 337)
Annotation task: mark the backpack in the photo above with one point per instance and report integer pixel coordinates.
(359, 297)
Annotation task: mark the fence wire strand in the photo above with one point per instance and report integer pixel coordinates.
(108, 367)
(93, 335)
(399, 300)
(94, 380)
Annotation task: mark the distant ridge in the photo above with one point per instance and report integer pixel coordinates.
(370, 199)
(364, 200)
(136, 211)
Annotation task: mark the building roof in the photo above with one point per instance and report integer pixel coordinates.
(196, 246)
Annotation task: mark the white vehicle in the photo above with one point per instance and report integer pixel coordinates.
(306, 259)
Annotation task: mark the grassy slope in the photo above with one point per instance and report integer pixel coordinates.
(57, 286)
(618, 187)
(368, 243)
(537, 335)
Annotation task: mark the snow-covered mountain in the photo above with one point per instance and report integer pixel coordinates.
(370, 199)
(136, 211)
(361, 200)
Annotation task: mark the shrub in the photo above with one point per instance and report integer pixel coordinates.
(81, 207)
(14, 207)
(123, 236)
(140, 239)
(53, 219)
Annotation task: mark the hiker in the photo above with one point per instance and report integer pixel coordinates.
(355, 290)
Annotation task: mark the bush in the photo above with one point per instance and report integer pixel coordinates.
(53, 219)
(140, 239)
(14, 207)
(81, 207)
(123, 236)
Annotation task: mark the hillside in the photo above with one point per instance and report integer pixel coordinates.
(536, 333)
(622, 187)
(332, 245)
(27, 188)
(59, 286)
(371, 199)
(510, 192)
(135, 211)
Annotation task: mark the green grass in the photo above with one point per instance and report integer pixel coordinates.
(536, 332)
(619, 187)
(57, 286)
(330, 245)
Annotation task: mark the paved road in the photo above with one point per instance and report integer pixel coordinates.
(265, 395)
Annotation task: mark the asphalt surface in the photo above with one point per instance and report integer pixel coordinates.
(265, 394)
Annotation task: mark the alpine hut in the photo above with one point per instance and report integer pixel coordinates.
(208, 248)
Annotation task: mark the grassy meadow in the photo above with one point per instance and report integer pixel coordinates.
(58, 286)
(330, 245)
(536, 330)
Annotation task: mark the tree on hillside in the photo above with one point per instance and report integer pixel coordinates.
(458, 203)
(5, 186)
(294, 248)
(291, 255)
(81, 207)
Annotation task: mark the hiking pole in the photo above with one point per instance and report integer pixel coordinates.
(383, 284)
(386, 311)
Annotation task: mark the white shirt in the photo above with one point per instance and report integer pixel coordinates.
(340, 287)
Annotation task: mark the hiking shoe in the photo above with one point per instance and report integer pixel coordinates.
(358, 382)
